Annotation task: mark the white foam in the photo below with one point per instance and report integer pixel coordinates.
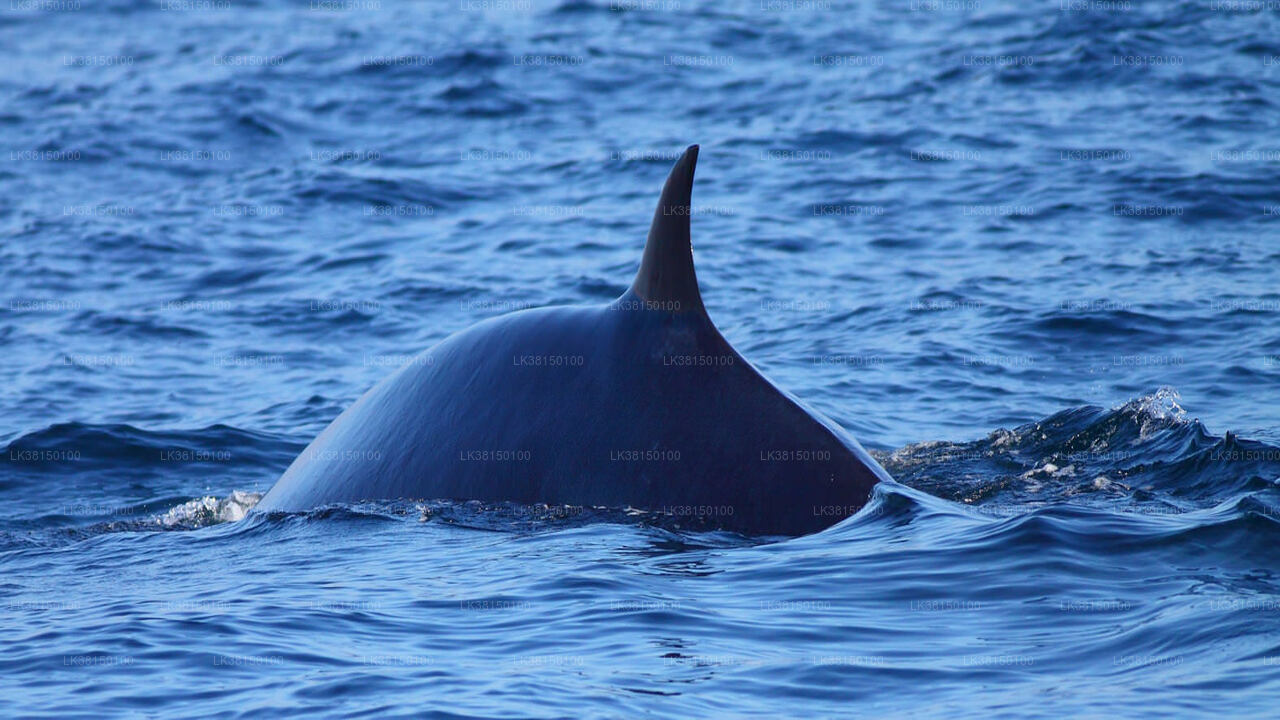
(210, 510)
(1156, 410)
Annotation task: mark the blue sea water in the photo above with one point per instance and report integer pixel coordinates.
(1023, 251)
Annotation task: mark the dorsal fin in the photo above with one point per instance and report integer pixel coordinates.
(666, 274)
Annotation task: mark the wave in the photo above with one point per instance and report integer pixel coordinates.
(1145, 454)
(91, 446)
(209, 510)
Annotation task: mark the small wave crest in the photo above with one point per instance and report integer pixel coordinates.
(1147, 453)
(209, 510)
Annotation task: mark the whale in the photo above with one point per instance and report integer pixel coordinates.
(638, 404)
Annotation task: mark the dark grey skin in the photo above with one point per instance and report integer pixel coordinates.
(639, 403)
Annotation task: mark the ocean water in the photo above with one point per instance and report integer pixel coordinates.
(1025, 252)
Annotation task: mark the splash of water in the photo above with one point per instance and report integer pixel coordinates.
(209, 510)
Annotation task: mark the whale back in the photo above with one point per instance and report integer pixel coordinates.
(639, 403)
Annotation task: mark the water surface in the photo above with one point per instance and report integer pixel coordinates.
(1023, 252)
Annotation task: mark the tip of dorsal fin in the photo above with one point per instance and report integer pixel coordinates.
(666, 274)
